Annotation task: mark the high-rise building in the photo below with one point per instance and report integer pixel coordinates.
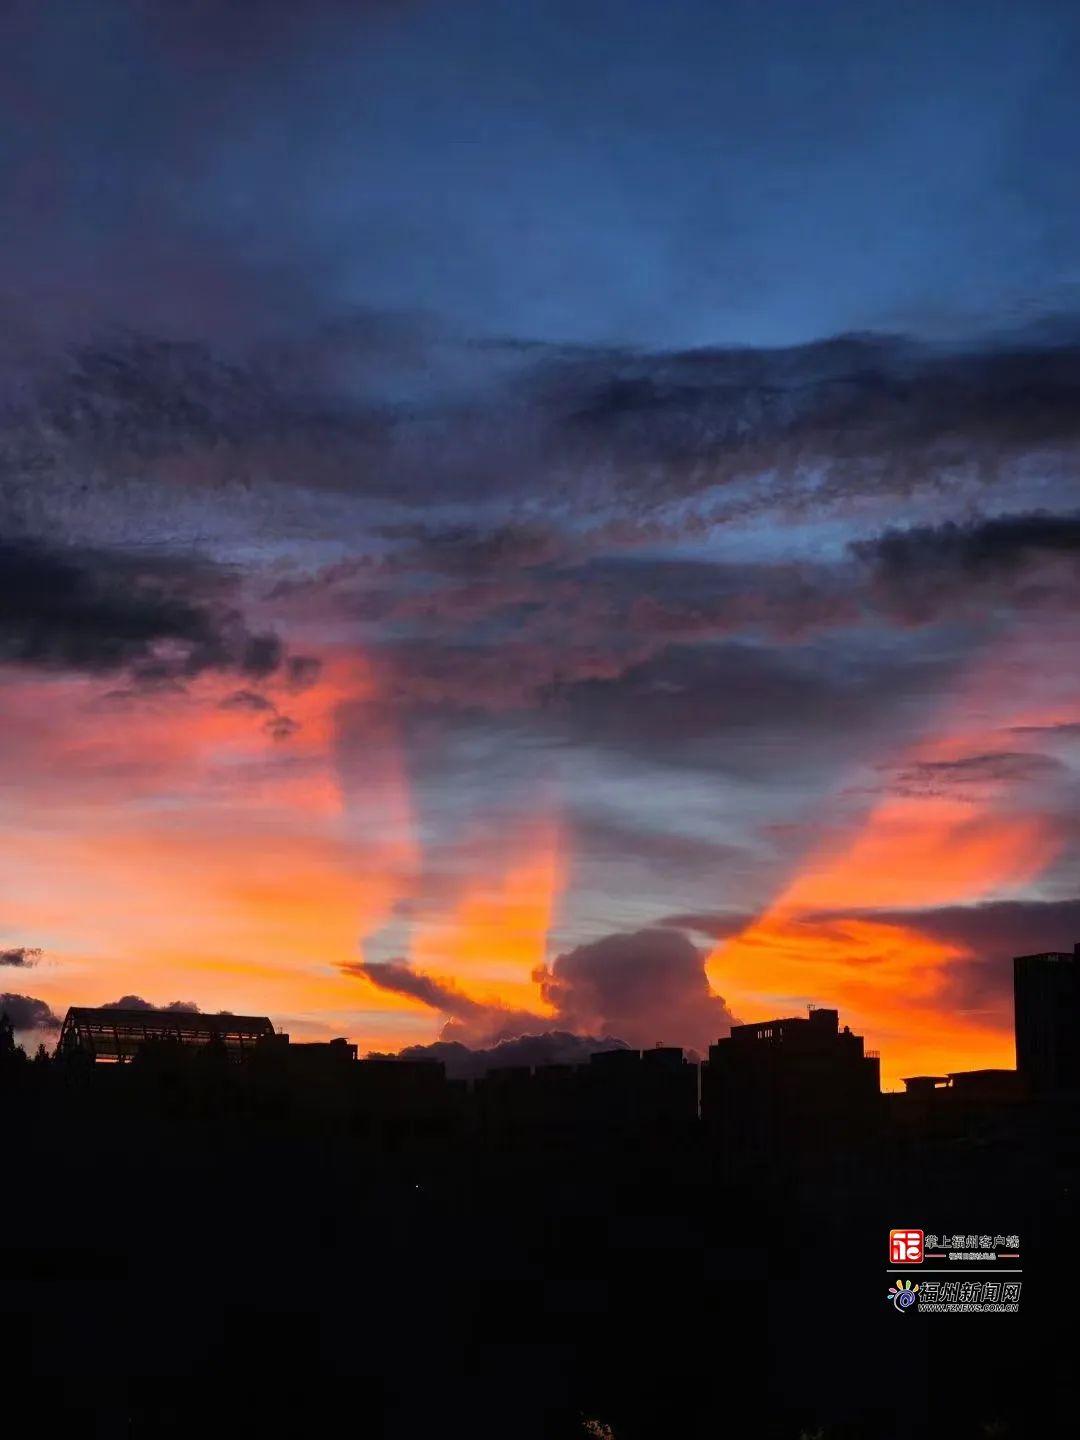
(1046, 995)
(793, 1083)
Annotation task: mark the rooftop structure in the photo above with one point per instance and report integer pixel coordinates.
(969, 1084)
(794, 1082)
(116, 1036)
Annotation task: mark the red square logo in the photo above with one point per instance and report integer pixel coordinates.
(906, 1247)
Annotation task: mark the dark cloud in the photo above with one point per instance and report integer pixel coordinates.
(301, 671)
(999, 928)
(736, 705)
(992, 933)
(714, 924)
(149, 397)
(1066, 730)
(27, 1013)
(20, 956)
(471, 550)
(504, 609)
(161, 685)
(246, 700)
(276, 725)
(609, 439)
(136, 1002)
(972, 773)
(998, 545)
(781, 602)
(1017, 561)
(471, 1022)
(660, 852)
(553, 1047)
(402, 979)
(495, 677)
(281, 727)
(105, 611)
(260, 655)
(871, 411)
(503, 640)
(646, 987)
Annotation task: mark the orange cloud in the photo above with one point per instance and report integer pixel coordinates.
(816, 942)
(495, 938)
(168, 845)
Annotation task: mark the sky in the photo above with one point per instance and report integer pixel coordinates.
(540, 518)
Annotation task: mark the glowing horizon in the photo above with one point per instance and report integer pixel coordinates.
(296, 855)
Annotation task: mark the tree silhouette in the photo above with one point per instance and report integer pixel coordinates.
(12, 1056)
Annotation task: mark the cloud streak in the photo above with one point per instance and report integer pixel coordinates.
(20, 957)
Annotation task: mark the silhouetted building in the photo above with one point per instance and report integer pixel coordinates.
(986, 1085)
(639, 1092)
(320, 1052)
(967, 1084)
(1046, 994)
(791, 1083)
(963, 1103)
(620, 1093)
(116, 1036)
(402, 1101)
(925, 1084)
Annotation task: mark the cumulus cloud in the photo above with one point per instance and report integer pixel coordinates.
(644, 987)
(20, 956)
(647, 987)
(136, 1002)
(27, 1013)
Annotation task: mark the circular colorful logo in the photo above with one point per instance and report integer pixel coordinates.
(903, 1294)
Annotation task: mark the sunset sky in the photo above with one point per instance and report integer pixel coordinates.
(531, 516)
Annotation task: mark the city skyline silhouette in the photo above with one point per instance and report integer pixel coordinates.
(539, 717)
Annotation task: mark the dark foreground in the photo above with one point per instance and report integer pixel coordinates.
(188, 1249)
